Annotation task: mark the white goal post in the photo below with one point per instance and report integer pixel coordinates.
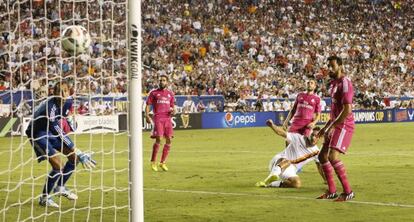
(135, 111)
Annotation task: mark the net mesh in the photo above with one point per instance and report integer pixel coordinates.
(31, 62)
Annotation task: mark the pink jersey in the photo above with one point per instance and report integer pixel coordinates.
(162, 100)
(306, 106)
(342, 92)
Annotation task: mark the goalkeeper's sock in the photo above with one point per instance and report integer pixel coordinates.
(155, 149)
(67, 172)
(51, 179)
(165, 152)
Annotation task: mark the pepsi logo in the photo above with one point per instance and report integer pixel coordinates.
(229, 119)
(233, 120)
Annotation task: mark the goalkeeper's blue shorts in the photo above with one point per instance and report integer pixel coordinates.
(46, 144)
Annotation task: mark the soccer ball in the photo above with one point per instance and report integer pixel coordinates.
(75, 39)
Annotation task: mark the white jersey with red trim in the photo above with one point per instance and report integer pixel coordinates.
(297, 152)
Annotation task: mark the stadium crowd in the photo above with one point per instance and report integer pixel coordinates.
(31, 55)
(266, 49)
(243, 50)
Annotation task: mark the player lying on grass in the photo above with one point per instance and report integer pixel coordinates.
(285, 165)
(47, 136)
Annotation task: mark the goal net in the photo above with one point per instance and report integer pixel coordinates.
(32, 61)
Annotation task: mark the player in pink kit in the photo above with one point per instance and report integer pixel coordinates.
(305, 112)
(337, 131)
(162, 102)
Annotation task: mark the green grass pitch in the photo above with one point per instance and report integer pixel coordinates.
(212, 176)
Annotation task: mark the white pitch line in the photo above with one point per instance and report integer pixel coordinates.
(272, 153)
(278, 196)
(233, 194)
(365, 154)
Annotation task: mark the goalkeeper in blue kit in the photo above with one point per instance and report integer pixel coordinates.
(47, 137)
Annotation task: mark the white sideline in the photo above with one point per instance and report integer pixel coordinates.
(278, 196)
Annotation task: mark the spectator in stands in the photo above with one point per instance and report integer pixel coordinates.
(230, 105)
(107, 111)
(277, 106)
(376, 103)
(93, 108)
(395, 104)
(5, 109)
(2, 86)
(200, 106)
(405, 104)
(220, 107)
(287, 104)
(177, 108)
(268, 105)
(211, 107)
(258, 106)
(188, 107)
(411, 104)
(241, 105)
(83, 108)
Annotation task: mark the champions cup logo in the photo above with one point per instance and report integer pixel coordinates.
(228, 118)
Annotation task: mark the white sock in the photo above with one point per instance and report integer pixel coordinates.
(275, 183)
(60, 188)
(276, 171)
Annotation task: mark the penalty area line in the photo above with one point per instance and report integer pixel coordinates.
(278, 196)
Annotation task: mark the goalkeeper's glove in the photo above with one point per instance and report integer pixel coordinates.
(86, 159)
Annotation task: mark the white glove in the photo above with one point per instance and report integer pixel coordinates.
(86, 159)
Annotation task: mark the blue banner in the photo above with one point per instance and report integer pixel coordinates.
(404, 115)
(15, 97)
(235, 120)
(255, 119)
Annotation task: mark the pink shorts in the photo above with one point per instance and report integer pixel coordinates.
(301, 128)
(162, 128)
(339, 139)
